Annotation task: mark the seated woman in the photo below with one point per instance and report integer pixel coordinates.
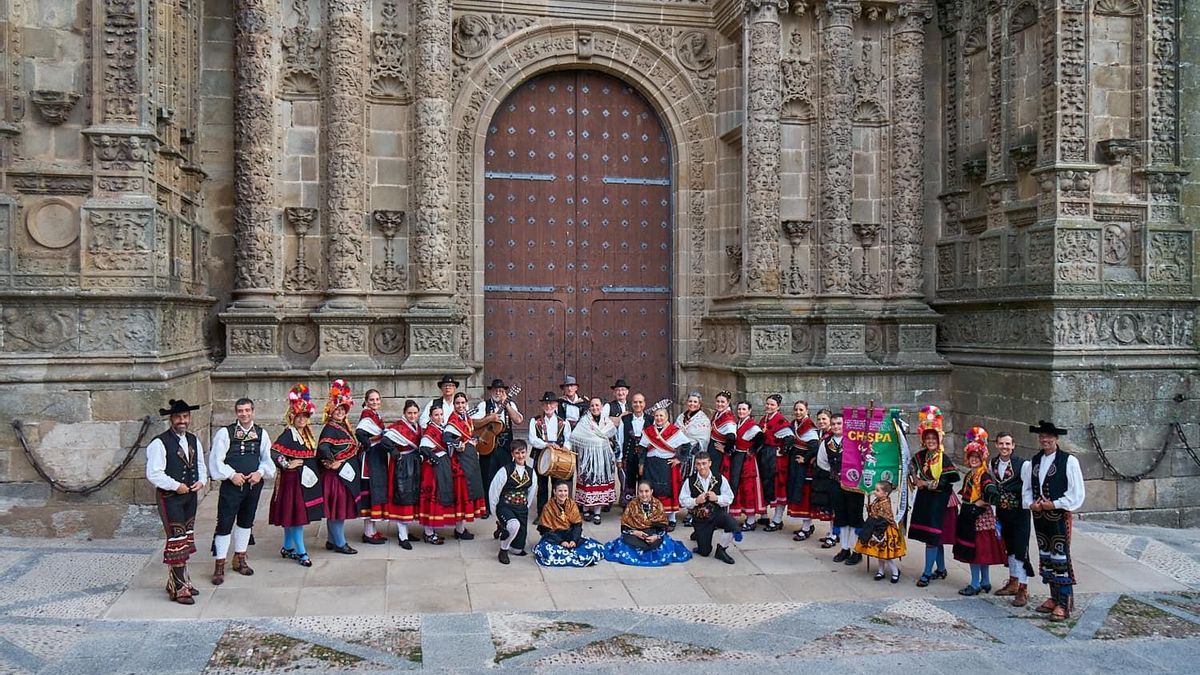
(644, 540)
(561, 527)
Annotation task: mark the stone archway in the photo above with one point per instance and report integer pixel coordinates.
(670, 90)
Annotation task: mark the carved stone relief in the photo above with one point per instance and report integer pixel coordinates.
(391, 75)
(301, 45)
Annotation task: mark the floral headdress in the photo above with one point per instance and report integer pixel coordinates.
(299, 403)
(930, 418)
(977, 443)
(339, 396)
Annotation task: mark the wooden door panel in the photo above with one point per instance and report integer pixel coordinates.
(524, 343)
(632, 335)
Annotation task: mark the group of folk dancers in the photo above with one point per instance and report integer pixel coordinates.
(425, 470)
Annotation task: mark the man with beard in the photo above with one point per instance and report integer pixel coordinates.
(175, 465)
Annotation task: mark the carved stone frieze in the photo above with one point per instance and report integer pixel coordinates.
(1170, 258)
(38, 329)
(344, 146)
(122, 153)
(391, 71)
(836, 182)
(123, 50)
(768, 341)
(1071, 328)
(761, 148)
(300, 77)
(54, 107)
(125, 330)
(51, 184)
(251, 340)
(300, 276)
(1078, 255)
(120, 240)
(797, 71)
(387, 276)
(431, 234)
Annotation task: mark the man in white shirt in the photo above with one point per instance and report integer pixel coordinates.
(1052, 488)
(497, 407)
(1013, 518)
(241, 460)
(175, 465)
(449, 387)
(545, 430)
(707, 497)
(511, 494)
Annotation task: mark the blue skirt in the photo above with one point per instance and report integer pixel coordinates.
(670, 551)
(589, 552)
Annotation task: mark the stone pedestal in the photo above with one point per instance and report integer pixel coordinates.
(433, 332)
(344, 341)
(253, 340)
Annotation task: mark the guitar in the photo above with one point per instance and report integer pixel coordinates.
(488, 433)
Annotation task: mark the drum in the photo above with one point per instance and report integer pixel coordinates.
(556, 462)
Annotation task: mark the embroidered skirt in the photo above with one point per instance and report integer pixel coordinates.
(747, 494)
(595, 474)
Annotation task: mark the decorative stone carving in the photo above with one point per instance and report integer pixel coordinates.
(251, 340)
(122, 153)
(694, 51)
(761, 146)
(1132, 8)
(301, 74)
(344, 144)
(391, 76)
(868, 88)
(837, 92)
(1115, 150)
(1072, 328)
(389, 340)
(908, 149)
(386, 275)
(734, 253)
(38, 329)
(254, 148)
(50, 184)
(430, 235)
(116, 330)
(797, 72)
(1116, 244)
(472, 35)
(343, 339)
(120, 240)
(1078, 255)
(770, 341)
(797, 281)
(53, 106)
(433, 340)
(123, 52)
(1170, 258)
(54, 223)
(300, 277)
(302, 339)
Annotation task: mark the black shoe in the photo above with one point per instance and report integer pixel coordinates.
(969, 591)
(696, 550)
(802, 535)
(405, 544)
(723, 556)
(687, 522)
(749, 526)
(671, 526)
(520, 553)
(596, 518)
(773, 527)
(501, 532)
(841, 555)
(692, 536)
(896, 578)
(344, 549)
(940, 574)
(606, 508)
(465, 535)
(829, 542)
(375, 539)
(986, 588)
(879, 575)
(503, 557)
(854, 558)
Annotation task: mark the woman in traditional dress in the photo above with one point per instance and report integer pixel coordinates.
(881, 536)
(694, 424)
(561, 526)
(297, 500)
(401, 440)
(596, 465)
(743, 469)
(644, 541)
(722, 432)
(341, 456)
(773, 459)
(436, 505)
(801, 469)
(976, 541)
(470, 499)
(369, 432)
(661, 466)
(934, 516)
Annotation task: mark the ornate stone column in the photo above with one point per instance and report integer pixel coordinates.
(837, 94)
(433, 321)
(760, 149)
(253, 338)
(342, 321)
(908, 145)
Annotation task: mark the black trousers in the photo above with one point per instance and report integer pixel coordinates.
(720, 520)
(501, 455)
(633, 465)
(237, 505)
(506, 512)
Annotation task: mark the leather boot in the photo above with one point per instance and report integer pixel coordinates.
(1022, 596)
(187, 581)
(177, 588)
(218, 576)
(241, 565)
(1010, 588)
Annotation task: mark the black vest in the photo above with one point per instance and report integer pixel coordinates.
(490, 406)
(630, 441)
(540, 429)
(1055, 485)
(242, 455)
(186, 472)
(516, 488)
(707, 509)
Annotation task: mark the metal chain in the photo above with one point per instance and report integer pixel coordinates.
(19, 427)
(1183, 439)
(1123, 476)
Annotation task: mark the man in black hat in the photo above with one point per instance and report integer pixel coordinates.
(571, 405)
(175, 465)
(617, 410)
(449, 387)
(241, 460)
(497, 407)
(545, 430)
(1052, 488)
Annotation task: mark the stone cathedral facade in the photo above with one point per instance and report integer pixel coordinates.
(981, 204)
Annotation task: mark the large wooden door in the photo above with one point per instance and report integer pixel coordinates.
(577, 238)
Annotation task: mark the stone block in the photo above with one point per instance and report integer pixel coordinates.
(1155, 517)
(119, 405)
(1182, 463)
(216, 83)
(1189, 516)
(1101, 495)
(1177, 492)
(80, 453)
(1139, 495)
(36, 403)
(306, 114)
(39, 43)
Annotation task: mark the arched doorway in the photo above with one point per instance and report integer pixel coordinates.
(577, 238)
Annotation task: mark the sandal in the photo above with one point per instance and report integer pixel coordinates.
(940, 574)
(773, 527)
(434, 539)
(879, 576)
(749, 526)
(829, 542)
(287, 554)
(304, 560)
(923, 581)
(802, 535)
(896, 578)
(1059, 614)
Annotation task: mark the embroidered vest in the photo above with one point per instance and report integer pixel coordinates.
(1055, 485)
(179, 469)
(516, 487)
(242, 455)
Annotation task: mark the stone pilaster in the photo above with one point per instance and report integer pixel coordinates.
(908, 142)
(344, 149)
(433, 323)
(837, 166)
(760, 152)
(253, 335)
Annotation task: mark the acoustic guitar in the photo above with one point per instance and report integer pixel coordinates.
(491, 431)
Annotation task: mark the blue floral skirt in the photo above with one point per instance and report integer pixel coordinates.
(670, 551)
(589, 552)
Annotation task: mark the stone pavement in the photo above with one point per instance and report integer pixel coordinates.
(71, 606)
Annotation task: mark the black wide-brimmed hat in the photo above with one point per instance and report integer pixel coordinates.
(548, 397)
(497, 384)
(568, 381)
(177, 407)
(620, 383)
(447, 379)
(1044, 427)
